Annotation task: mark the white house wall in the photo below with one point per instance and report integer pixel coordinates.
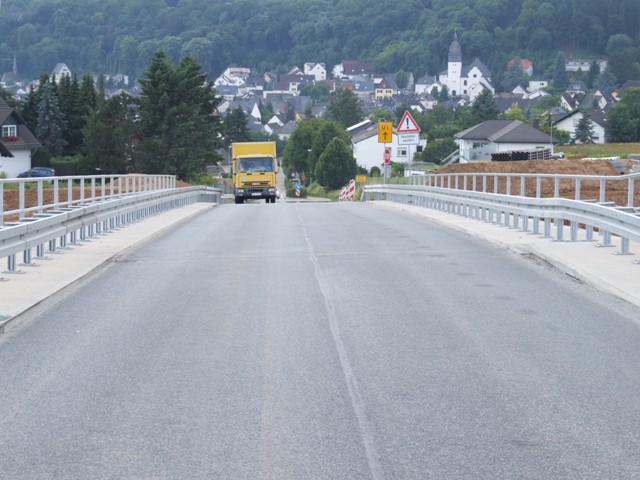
(369, 153)
(12, 166)
(484, 152)
(569, 124)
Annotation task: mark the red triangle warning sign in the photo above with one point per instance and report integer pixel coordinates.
(407, 124)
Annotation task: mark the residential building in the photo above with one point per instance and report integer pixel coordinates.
(318, 70)
(506, 101)
(569, 101)
(537, 83)
(293, 83)
(384, 90)
(481, 141)
(569, 123)
(59, 71)
(363, 87)
(17, 143)
(424, 85)
(628, 84)
(599, 99)
(352, 68)
(525, 64)
(369, 153)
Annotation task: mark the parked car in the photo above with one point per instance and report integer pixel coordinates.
(38, 172)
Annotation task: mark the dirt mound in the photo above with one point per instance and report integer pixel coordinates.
(567, 167)
(615, 190)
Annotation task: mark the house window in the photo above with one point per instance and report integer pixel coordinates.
(9, 131)
(465, 83)
(402, 151)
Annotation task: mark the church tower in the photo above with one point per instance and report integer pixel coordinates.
(454, 67)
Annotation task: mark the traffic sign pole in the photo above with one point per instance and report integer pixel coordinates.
(385, 165)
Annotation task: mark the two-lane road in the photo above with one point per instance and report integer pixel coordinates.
(322, 341)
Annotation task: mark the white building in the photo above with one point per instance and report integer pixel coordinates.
(17, 143)
(467, 81)
(569, 123)
(481, 141)
(59, 71)
(318, 70)
(369, 153)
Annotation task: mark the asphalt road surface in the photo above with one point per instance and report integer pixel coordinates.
(322, 341)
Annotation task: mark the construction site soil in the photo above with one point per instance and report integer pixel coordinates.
(616, 189)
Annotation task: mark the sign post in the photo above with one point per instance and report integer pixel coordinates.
(387, 163)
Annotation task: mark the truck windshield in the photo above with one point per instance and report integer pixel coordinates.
(255, 164)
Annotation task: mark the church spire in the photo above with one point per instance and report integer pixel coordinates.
(455, 51)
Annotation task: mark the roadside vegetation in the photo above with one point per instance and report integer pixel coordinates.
(593, 150)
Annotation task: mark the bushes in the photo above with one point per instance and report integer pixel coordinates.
(67, 166)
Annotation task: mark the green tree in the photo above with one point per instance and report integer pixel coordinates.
(177, 121)
(399, 113)
(28, 108)
(381, 115)
(594, 71)
(514, 76)
(88, 98)
(560, 79)
(336, 166)
(235, 127)
(51, 122)
(107, 136)
(345, 108)
(443, 94)
(584, 130)
(515, 113)
(266, 112)
(73, 111)
(605, 81)
(623, 120)
(325, 132)
(438, 150)
(402, 79)
(8, 97)
(297, 151)
(485, 107)
(319, 91)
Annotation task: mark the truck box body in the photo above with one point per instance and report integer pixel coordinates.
(254, 170)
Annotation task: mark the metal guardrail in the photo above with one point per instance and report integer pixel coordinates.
(626, 187)
(59, 225)
(531, 214)
(75, 190)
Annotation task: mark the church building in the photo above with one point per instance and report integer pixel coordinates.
(461, 81)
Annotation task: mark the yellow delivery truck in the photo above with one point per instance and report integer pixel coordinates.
(254, 169)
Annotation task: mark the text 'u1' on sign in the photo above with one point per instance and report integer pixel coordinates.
(385, 132)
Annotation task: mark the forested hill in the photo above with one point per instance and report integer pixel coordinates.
(120, 36)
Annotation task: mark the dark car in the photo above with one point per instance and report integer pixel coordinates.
(38, 172)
